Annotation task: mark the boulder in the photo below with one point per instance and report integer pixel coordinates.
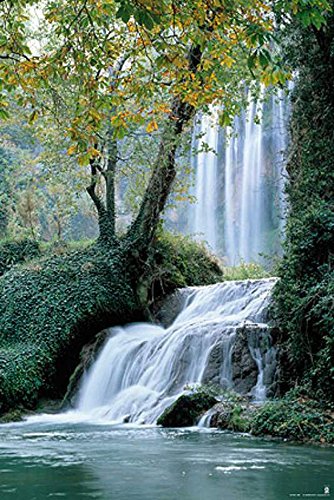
(187, 410)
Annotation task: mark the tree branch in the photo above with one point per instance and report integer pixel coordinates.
(91, 190)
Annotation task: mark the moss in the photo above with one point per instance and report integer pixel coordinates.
(52, 306)
(179, 261)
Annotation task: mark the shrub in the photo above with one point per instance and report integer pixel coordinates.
(14, 252)
(295, 418)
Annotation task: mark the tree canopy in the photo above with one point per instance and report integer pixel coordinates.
(122, 61)
(105, 69)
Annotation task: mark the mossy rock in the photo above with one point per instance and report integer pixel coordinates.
(187, 410)
(15, 415)
(234, 416)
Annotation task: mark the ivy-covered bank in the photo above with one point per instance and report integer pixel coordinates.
(304, 295)
(52, 306)
(16, 252)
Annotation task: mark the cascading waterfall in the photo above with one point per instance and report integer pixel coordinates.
(240, 190)
(143, 368)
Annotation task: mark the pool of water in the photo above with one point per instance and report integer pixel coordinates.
(81, 460)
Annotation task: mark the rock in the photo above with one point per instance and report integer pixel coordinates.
(170, 307)
(234, 415)
(249, 338)
(88, 355)
(244, 368)
(212, 374)
(187, 410)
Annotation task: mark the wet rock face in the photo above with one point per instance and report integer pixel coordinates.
(244, 368)
(186, 410)
(254, 341)
(235, 315)
(212, 374)
(236, 351)
(166, 311)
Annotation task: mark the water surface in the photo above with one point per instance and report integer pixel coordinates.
(81, 460)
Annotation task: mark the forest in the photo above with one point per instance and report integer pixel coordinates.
(166, 248)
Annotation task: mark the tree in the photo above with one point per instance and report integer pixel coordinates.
(110, 66)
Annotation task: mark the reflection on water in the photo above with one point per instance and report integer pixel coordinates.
(77, 461)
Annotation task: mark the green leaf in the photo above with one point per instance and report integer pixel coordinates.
(124, 12)
(4, 115)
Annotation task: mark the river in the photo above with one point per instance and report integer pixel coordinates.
(73, 460)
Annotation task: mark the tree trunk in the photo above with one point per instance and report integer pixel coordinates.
(142, 231)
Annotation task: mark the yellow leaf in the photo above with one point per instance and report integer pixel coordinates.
(93, 152)
(152, 126)
(72, 150)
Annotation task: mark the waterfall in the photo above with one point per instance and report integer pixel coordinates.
(251, 209)
(143, 368)
(206, 137)
(240, 190)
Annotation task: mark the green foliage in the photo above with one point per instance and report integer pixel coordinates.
(238, 421)
(48, 308)
(179, 260)
(34, 199)
(304, 296)
(14, 252)
(245, 271)
(295, 418)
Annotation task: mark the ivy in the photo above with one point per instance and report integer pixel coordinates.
(304, 296)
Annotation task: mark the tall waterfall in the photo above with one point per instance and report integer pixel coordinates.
(143, 368)
(240, 189)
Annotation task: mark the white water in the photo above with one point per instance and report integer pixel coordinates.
(252, 207)
(143, 368)
(241, 205)
(205, 421)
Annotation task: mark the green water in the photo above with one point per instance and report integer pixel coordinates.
(78, 461)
